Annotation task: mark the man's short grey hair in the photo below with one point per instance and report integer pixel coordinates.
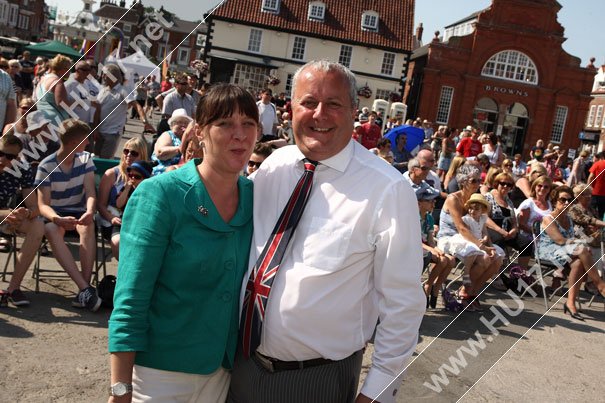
(465, 172)
(327, 67)
(413, 163)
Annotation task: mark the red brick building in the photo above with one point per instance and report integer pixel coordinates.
(503, 69)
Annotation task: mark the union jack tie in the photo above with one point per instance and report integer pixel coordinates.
(267, 264)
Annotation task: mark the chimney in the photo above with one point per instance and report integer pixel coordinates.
(419, 32)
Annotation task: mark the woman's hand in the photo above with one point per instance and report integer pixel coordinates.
(116, 220)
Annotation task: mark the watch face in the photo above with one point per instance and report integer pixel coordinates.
(120, 389)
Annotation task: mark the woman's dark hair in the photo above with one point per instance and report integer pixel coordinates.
(554, 194)
(492, 138)
(222, 100)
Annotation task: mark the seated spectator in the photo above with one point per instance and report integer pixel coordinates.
(26, 106)
(502, 224)
(535, 207)
(191, 147)
(507, 166)
(22, 221)
(478, 267)
(401, 155)
(488, 183)
(383, 150)
(523, 184)
(114, 180)
(137, 172)
(38, 142)
(285, 130)
(519, 167)
(443, 263)
(261, 152)
(66, 199)
(450, 183)
(559, 245)
(587, 225)
(167, 150)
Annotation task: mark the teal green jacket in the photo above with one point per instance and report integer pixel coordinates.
(176, 301)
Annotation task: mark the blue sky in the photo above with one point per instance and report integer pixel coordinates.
(581, 19)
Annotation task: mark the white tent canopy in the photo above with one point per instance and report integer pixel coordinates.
(136, 63)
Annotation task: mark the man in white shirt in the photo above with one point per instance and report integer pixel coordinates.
(355, 257)
(80, 87)
(268, 116)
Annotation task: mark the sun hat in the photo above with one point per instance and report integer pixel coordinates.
(468, 128)
(177, 114)
(36, 120)
(142, 167)
(477, 198)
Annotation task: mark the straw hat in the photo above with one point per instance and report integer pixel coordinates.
(477, 198)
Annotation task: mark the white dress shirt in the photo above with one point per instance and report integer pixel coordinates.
(355, 256)
(114, 108)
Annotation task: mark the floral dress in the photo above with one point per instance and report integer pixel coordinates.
(553, 252)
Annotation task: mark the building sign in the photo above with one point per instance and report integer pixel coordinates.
(503, 90)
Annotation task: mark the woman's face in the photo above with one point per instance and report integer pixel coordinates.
(179, 125)
(505, 186)
(130, 155)
(473, 183)
(228, 142)
(584, 198)
(507, 166)
(542, 191)
(564, 200)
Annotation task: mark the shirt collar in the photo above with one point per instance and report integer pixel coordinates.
(339, 161)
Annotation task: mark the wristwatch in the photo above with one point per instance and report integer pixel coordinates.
(120, 389)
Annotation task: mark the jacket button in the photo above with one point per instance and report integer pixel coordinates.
(229, 265)
(226, 297)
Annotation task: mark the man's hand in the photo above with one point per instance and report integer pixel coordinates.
(17, 216)
(116, 221)
(69, 223)
(86, 218)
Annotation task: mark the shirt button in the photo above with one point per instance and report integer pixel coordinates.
(226, 297)
(229, 265)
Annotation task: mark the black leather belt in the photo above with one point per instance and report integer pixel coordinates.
(275, 365)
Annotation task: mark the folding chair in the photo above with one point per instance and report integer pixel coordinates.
(11, 254)
(602, 259)
(549, 267)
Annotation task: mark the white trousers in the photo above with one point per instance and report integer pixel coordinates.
(155, 385)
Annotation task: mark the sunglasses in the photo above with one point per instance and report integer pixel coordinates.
(508, 165)
(506, 184)
(135, 176)
(564, 200)
(133, 153)
(8, 156)
(255, 164)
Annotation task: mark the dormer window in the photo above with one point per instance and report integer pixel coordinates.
(317, 11)
(369, 21)
(271, 6)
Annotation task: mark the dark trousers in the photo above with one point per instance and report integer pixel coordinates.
(330, 383)
(598, 203)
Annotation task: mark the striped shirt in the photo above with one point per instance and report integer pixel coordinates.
(67, 194)
(7, 92)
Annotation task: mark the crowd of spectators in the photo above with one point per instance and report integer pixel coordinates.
(477, 204)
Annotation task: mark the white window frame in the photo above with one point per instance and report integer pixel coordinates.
(3, 11)
(255, 38)
(388, 63)
(370, 21)
(445, 105)
(183, 61)
(296, 45)
(511, 65)
(346, 55)
(270, 6)
(382, 93)
(591, 116)
(288, 86)
(13, 15)
(558, 124)
(317, 11)
(200, 40)
(599, 117)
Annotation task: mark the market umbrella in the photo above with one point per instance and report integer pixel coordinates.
(52, 48)
(415, 136)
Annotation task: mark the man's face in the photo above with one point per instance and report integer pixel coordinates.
(192, 82)
(474, 135)
(401, 141)
(181, 86)
(372, 118)
(82, 71)
(418, 174)
(322, 114)
(265, 97)
(426, 158)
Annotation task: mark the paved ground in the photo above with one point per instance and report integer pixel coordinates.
(53, 352)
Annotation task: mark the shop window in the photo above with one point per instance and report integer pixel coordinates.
(558, 125)
(511, 65)
(251, 78)
(445, 105)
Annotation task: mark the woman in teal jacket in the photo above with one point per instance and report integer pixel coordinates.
(183, 252)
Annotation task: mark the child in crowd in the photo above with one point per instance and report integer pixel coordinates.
(67, 200)
(383, 150)
(137, 173)
(260, 153)
(443, 263)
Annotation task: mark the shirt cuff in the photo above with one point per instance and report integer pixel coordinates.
(380, 386)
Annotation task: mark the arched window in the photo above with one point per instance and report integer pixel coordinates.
(511, 65)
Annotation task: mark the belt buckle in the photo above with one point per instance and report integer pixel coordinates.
(265, 362)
